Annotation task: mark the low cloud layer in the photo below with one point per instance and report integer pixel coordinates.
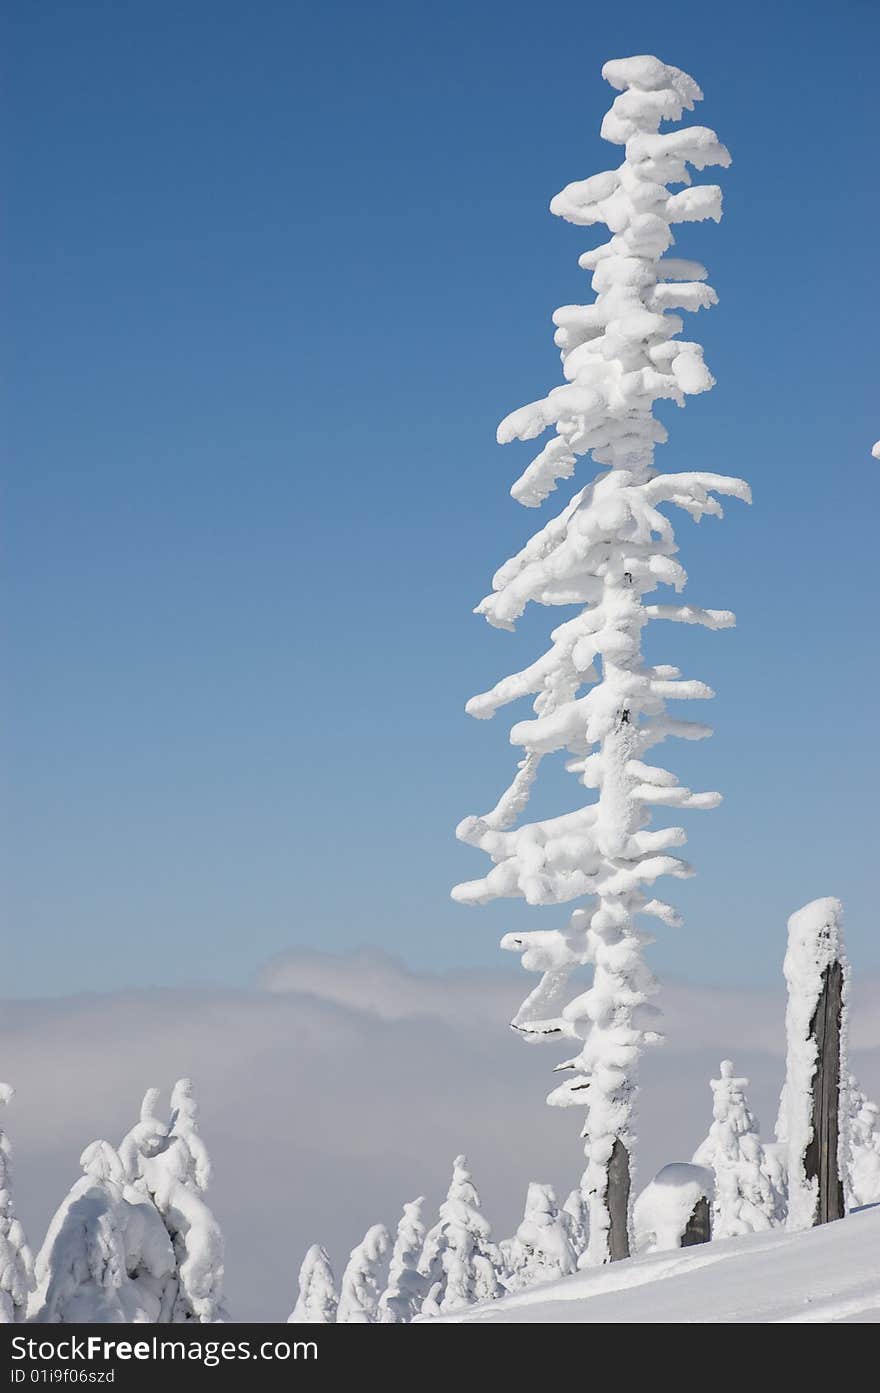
(340, 1087)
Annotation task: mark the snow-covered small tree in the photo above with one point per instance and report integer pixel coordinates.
(459, 1261)
(864, 1148)
(362, 1280)
(542, 1249)
(107, 1256)
(603, 554)
(16, 1262)
(317, 1300)
(402, 1298)
(168, 1162)
(748, 1196)
(577, 1215)
(813, 1109)
(664, 1209)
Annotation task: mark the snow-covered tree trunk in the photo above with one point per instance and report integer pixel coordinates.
(604, 553)
(16, 1263)
(813, 1109)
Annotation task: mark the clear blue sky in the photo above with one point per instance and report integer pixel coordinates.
(274, 272)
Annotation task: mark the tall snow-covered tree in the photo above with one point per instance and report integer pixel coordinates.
(169, 1163)
(815, 949)
(402, 1298)
(106, 1256)
(749, 1190)
(864, 1148)
(16, 1262)
(595, 695)
(459, 1261)
(317, 1300)
(542, 1249)
(362, 1282)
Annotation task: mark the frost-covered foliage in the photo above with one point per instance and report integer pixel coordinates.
(107, 1255)
(168, 1162)
(864, 1148)
(749, 1185)
(542, 1249)
(317, 1300)
(402, 1298)
(459, 1261)
(595, 696)
(875, 451)
(815, 943)
(662, 1210)
(362, 1280)
(16, 1263)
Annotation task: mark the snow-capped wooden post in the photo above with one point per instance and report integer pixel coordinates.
(675, 1209)
(812, 1114)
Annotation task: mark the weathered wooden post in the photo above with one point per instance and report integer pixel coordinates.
(820, 1160)
(618, 1201)
(699, 1225)
(813, 1099)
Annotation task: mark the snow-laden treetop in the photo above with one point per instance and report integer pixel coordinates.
(622, 353)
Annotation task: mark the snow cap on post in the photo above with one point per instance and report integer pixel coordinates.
(663, 1209)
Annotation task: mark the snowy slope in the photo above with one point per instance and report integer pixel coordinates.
(826, 1274)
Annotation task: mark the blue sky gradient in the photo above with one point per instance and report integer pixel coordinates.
(276, 272)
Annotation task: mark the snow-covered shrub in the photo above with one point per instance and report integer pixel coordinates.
(595, 696)
(542, 1249)
(402, 1298)
(362, 1280)
(864, 1148)
(16, 1263)
(107, 1256)
(459, 1261)
(168, 1162)
(317, 1301)
(663, 1209)
(815, 944)
(749, 1193)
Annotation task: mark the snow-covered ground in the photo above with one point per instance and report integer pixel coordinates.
(830, 1273)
